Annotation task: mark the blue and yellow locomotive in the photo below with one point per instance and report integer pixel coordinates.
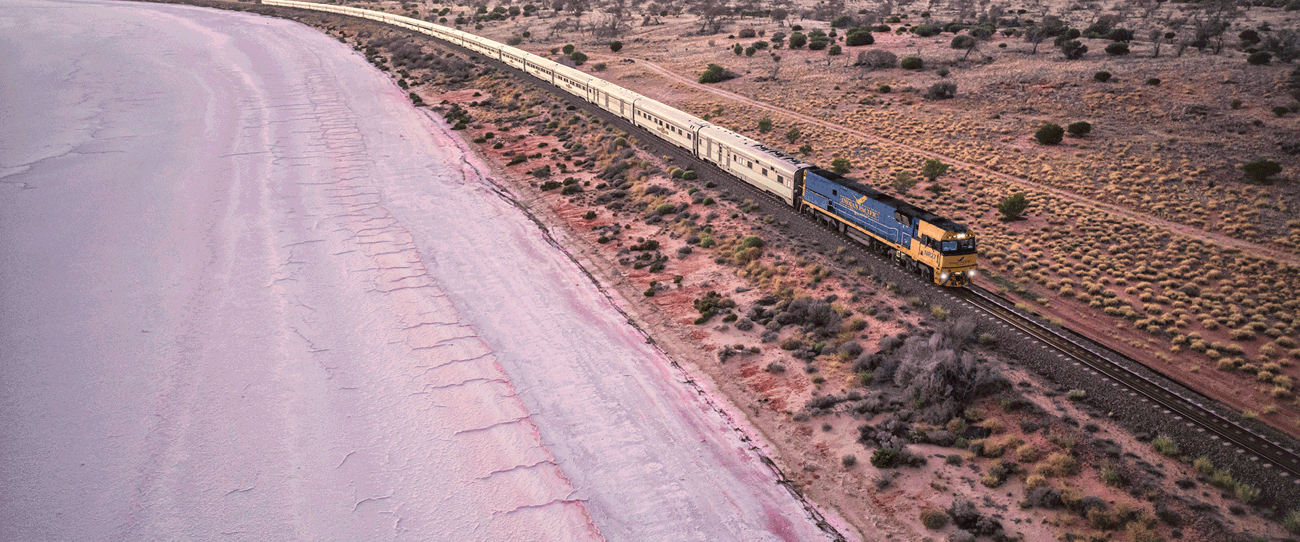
(929, 245)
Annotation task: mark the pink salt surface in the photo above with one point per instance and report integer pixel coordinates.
(248, 292)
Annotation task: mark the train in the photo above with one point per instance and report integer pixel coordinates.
(933, 247)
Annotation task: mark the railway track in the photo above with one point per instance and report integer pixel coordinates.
(1179, 404)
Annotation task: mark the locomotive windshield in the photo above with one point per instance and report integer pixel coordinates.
(960, 246)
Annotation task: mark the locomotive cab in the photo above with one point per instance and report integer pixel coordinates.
(949, 249)
(957, 259)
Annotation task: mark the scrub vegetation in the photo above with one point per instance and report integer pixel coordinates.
(1162, 215)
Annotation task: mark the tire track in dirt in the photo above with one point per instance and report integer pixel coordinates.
(1218, 239)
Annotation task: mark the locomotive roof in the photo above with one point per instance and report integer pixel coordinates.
(892, 201)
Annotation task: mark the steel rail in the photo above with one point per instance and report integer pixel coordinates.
(1187, 404)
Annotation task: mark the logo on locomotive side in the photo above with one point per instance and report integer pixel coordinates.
(859, 208)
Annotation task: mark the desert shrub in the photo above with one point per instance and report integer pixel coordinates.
(1260, 170)
(1058, 464)
(939, 372)
(1292, 522)
(926, 30)
(834, 50)
(797, 40)
(850, 349)
(911, 63)
(1245, 493)
(1165, 445)
(885, 458)
(849, 461)
(933, 518)
(942, 90)
(904, 181)
(1101, 519)
(1101, 76)
(615, 46)
(765, 125)
(1154, 81)
(1013, 206)
(1079, 129)
(578, 58)
(1076, 395)
(1259, 58)
(934, 168)
(1073, 49)
(1120, 35)
(1027, 453)
(1049, 134)
(568, 48)
(997, 474)
(710, 304)
(1118, 48)
(1223, 479)
(877, 59)
(793, 134)
(749, 51)
(858, 37)
(962, 41)
(715, 74)
(1112, 476)
(738, 49)
(746, 33)
(841, 165)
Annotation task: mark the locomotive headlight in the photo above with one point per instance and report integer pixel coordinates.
(943, 276)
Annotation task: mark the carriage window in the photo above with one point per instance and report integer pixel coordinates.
(780, 179)
(764, 172)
